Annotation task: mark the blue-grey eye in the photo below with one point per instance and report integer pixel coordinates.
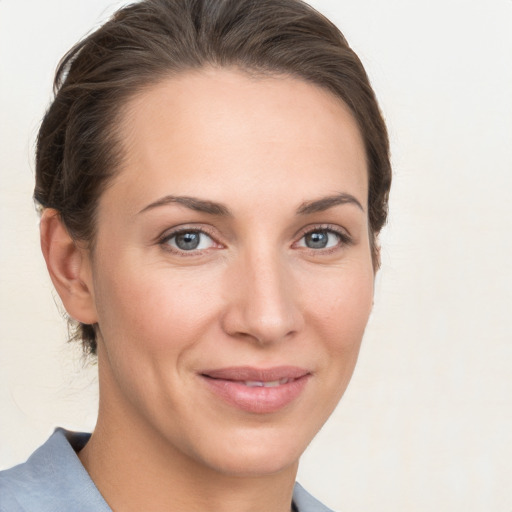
(320, 239)
(190, 241)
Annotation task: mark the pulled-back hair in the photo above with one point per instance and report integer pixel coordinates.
(78, 147)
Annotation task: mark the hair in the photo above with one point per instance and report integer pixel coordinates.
(78, 147)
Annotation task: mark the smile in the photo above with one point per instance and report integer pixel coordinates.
(260, 391)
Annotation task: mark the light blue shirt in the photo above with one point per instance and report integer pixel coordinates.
(54, 480)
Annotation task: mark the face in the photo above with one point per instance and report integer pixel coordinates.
(232, 274)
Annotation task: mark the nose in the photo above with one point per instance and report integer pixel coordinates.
(262, 303)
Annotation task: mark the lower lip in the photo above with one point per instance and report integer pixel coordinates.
(258, 399)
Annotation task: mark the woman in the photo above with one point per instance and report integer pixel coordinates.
(212, 176)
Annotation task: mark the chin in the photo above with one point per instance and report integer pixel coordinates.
(263, 464)
(255, 454)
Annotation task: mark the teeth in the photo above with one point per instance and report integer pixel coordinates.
(269, 384)
(253, 383)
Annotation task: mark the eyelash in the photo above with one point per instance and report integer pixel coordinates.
(344, 240)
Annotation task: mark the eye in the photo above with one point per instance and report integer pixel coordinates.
(322, 238)
(189, 240)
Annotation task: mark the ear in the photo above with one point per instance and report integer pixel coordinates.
(69, 267)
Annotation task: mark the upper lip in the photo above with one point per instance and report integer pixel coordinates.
(249, 373)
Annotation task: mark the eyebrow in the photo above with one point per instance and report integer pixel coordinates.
(324, 203)
(193, 203)
(213, 208)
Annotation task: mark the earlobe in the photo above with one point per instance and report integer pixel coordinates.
(69, 268)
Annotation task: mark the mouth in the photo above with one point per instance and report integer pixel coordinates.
(257, 390)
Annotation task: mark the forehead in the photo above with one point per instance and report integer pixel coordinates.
(235, 132)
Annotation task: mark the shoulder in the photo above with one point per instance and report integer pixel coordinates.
(52, 479)
(304, 502)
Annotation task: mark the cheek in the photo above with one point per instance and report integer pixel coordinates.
(156, 309)
(339, 314)
(340, 307)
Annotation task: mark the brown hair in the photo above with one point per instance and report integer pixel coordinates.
(78, 149)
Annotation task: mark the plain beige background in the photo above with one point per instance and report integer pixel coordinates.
(427, 421)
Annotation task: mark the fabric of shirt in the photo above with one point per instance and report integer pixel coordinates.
(54, 480)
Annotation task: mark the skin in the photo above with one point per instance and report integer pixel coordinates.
(254, 294)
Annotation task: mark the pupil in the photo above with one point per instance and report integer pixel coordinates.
(187, 241)
(316, 240)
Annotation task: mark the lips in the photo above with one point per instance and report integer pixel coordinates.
(257, 390)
